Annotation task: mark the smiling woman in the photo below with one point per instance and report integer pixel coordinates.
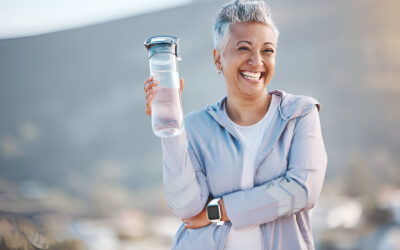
(246, 171)
(248, 64)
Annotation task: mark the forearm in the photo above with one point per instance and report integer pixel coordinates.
(265, 203)
(184, 184)
(301, 202)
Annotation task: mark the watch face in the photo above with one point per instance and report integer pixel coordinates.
(213, 212)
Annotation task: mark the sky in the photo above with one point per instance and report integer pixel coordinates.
(19, 18)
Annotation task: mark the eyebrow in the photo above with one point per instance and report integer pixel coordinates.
(251, 43)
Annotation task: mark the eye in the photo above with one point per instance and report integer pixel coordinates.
(244, 48)
(268, 51)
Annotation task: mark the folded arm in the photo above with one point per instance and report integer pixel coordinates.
(297, 190)
(187, 190)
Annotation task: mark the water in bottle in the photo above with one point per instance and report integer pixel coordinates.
(166, 111)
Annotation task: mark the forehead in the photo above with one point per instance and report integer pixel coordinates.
(257, 33)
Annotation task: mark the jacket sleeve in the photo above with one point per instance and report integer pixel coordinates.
(297, 190)
(185, 184)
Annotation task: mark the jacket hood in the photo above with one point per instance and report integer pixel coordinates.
(290, 106)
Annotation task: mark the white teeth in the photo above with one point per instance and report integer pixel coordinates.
(251, 75)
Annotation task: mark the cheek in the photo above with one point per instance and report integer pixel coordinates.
(233, 61)
(270, 70)
(270, 64)
(230, 67)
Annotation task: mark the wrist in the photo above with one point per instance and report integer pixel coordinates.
(224, 216)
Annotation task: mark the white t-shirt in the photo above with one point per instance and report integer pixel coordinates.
(251, 138)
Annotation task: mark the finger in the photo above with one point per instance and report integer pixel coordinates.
(148, 105)
(182, 84)
(152, 91)
(154, 86)
(149, 100)
(150, 84)
(146, 83)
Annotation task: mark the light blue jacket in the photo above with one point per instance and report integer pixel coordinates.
(290, 168)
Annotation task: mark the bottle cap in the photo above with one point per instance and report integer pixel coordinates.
(162, 44)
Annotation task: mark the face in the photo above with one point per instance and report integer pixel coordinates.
(248, 60)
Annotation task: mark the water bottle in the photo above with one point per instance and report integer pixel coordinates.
(166, 109)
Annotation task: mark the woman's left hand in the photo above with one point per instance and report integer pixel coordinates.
(198, 221)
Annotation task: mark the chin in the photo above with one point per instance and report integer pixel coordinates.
(254, 92)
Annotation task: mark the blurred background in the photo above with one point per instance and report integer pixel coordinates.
(80, 167)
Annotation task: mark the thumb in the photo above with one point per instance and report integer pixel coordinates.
(182, 85)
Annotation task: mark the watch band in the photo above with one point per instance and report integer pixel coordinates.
(214, 201)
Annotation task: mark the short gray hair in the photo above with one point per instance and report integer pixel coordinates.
(238, 11)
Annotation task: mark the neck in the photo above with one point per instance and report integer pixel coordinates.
(246, 112)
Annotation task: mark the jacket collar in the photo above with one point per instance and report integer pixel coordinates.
(290, 107)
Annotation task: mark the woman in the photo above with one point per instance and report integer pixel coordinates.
(256, 160)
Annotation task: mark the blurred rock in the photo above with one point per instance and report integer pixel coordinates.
(19, 232)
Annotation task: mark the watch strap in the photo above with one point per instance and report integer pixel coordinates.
(214, 201)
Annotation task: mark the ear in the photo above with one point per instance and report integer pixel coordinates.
(217, 57)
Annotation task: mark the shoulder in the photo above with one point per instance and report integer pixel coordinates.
(292, 106)
(199, 124)
(197, 118)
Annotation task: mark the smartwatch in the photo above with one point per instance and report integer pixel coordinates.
(214, 211)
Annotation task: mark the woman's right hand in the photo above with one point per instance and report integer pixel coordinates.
(151, 88)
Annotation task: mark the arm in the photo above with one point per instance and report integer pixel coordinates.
(185, 184)
(298, 189)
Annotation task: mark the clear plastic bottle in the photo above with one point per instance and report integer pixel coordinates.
(167, 117)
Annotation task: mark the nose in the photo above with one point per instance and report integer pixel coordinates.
(255, 59)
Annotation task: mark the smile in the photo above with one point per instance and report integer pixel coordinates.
(255, 76)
